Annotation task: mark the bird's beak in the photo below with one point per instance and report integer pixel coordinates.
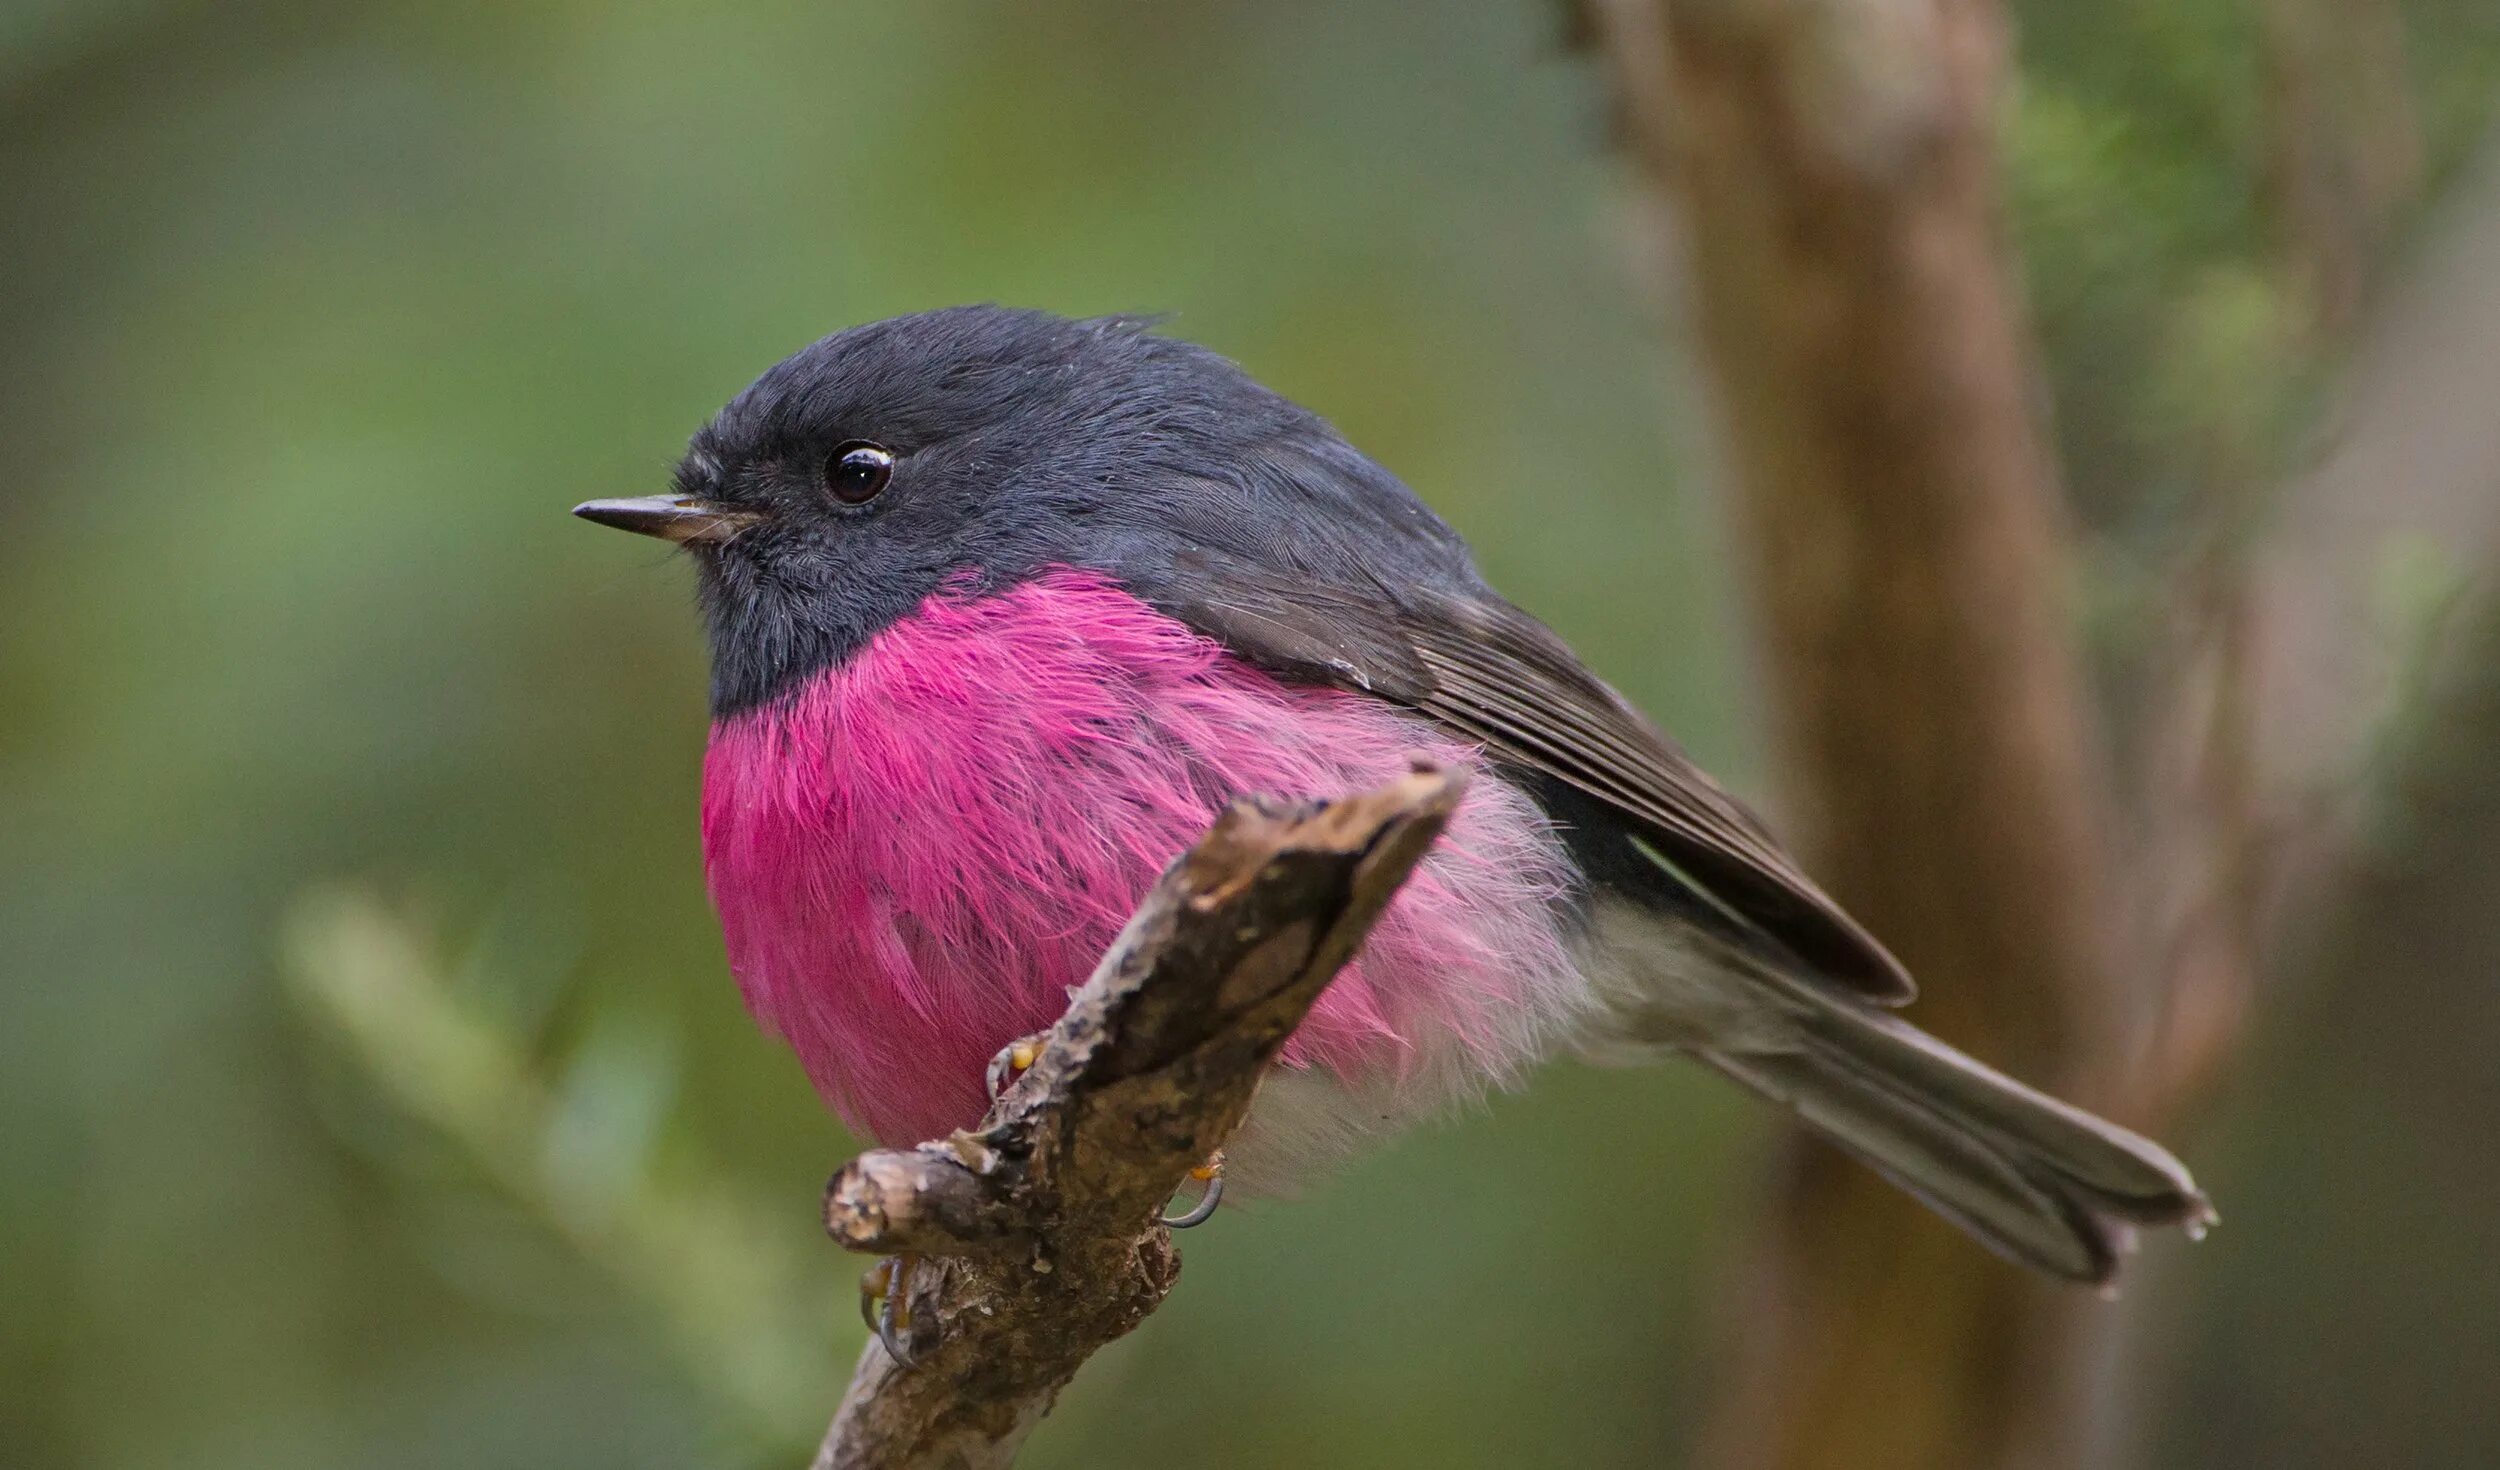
(679, 518)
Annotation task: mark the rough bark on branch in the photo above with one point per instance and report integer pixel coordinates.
(1039, 1229)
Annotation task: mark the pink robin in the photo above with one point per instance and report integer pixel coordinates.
(1004, 607)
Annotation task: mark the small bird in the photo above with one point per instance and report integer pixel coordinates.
(1004, 607)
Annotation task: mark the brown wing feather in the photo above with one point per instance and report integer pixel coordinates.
(1492, 673)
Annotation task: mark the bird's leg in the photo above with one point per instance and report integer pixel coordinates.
(885, 1288)
(1016, 1056)
(885, 1305)
(1013, 1059)
(1211, 1175)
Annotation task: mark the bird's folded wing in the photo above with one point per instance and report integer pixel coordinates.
(1491, 673)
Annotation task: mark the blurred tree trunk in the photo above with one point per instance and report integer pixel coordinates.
(1834, 168)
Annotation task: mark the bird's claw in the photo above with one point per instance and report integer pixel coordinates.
(1017, 1056)
(1210, 1174)
(885, 1288)
(1012, 1061)
(885, 1305)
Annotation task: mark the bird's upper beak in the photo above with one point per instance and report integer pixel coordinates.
(679, 518)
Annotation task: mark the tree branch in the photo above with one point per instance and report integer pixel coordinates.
(1042, 1224)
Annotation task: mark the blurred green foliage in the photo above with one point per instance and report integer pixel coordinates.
(318, 319)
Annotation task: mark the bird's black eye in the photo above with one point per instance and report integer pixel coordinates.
(857, 471)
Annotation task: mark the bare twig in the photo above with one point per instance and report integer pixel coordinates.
(1041, 1227)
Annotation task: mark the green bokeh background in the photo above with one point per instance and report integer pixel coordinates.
(317, 319)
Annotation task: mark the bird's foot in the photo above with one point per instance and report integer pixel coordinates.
(885, 1305)
(1013, 1060)
(1211, 1175)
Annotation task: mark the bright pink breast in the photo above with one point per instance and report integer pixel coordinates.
(917, 856)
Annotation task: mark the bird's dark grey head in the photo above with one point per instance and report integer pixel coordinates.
(980, 446)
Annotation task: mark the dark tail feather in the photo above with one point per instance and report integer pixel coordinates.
(2035, 1180)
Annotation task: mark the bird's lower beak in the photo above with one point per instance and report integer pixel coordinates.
(679, 518)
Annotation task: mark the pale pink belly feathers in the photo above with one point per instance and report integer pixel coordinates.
(919, 854)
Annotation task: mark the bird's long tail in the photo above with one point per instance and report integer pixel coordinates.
(2034, 1179)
